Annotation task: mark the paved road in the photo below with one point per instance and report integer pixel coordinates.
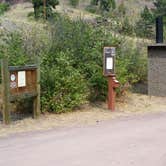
(131, 141)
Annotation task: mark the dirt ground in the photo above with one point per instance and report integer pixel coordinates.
(130, 104)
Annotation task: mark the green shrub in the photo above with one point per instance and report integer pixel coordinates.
(72, 61)
(11, 46)
(91, 9)
(85, 45)
(74, 3)
(39, 8)
(4, 7)
(131, 66)
(145, 25)
(63, 87)
(104, 5)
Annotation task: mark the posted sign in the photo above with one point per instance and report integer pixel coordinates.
(109, 60)
(21, 79)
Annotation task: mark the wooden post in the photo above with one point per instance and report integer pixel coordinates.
(112, 84)
(36, 103)
(5, 90)
(111, 94)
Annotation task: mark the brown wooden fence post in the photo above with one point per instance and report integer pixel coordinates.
(36, 105)
(5, 90)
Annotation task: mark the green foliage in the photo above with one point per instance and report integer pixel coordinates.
(39, 8)
(72, 61)
(145, 25)
(4, 7)
(91, 8)
(131, 66)
(74, 3)
(84, 44)
(104, 5)
(126, 27)
(63, 87)
(160, 7)
(121, 10)
(94, 2)
(118, 21)
(11, 47)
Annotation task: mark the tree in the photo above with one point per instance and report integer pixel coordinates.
(74, 3)
(44, 5)
(160, 9)
(94, 2)
(144, 26)
(105, 5)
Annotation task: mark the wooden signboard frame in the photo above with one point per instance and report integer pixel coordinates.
(109, 60)
(20, 83)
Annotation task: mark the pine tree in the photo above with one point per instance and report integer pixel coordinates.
(160, 7)
(39, 7)
(105, 5)
(144, 27)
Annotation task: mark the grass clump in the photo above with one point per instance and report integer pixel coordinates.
(4, 7)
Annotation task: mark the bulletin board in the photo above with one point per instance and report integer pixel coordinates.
(19, 82)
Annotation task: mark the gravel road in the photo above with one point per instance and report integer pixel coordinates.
(127, 141)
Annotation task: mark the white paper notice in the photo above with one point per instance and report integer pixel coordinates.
(109, 63)
(21, 79)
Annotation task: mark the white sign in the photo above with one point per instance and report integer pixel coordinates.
(21, 79)
(12, 77)
(109, 63)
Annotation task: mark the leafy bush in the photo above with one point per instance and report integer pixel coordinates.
(85, 44)
(145, 25)
(131, 65)
(105, 5)
(74, 3)
(11, 47)
(4, 7)
(91, 8)
(63, 87)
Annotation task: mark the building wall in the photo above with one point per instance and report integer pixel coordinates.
(157, 70)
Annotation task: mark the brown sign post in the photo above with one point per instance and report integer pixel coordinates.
(20, 83)
(109, 71)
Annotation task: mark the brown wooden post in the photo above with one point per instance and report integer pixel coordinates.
(111, 94)
(5, 90)
(112, 85)
(36, 103)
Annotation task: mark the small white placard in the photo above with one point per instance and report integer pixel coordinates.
(109, 63)
(21, 79)
(12, 77)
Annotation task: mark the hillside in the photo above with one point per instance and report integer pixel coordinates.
(17, 16)
(133, 6)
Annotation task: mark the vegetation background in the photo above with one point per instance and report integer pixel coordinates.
(71, 48)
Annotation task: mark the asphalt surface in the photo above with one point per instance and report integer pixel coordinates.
(130, 141)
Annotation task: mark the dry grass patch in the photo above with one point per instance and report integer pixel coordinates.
(131, 104)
